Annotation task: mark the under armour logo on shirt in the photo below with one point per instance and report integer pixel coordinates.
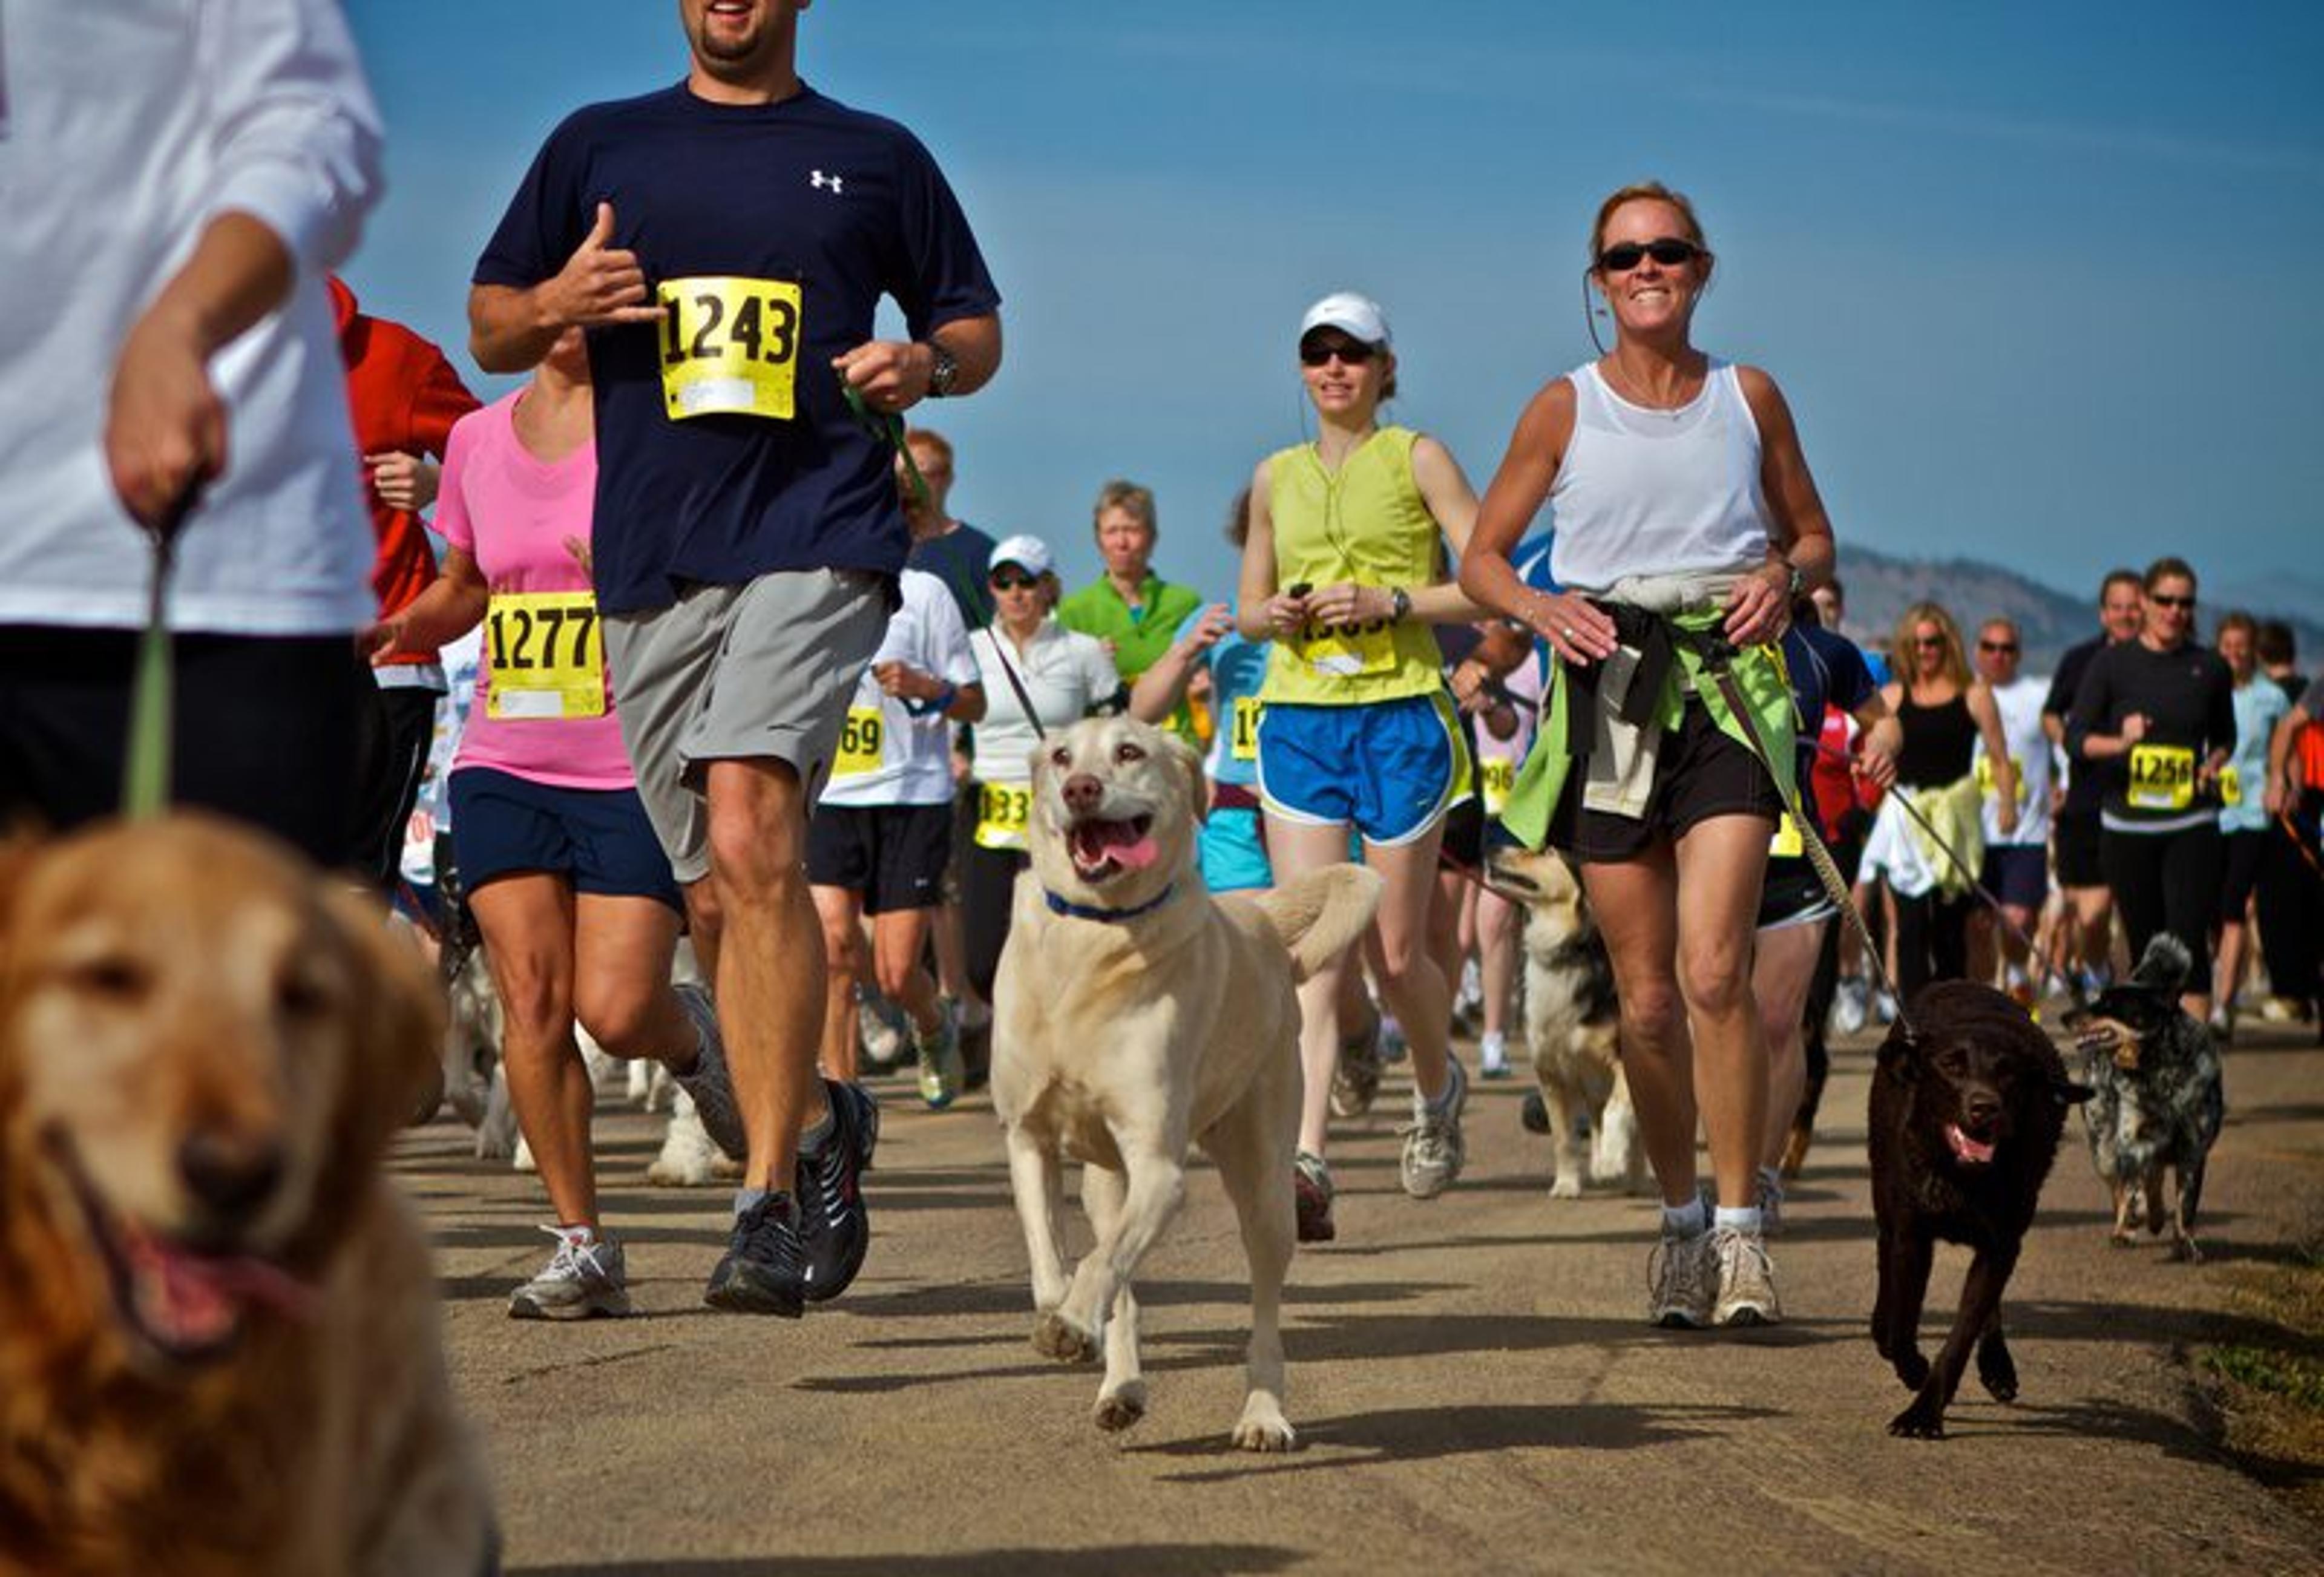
(818, 180)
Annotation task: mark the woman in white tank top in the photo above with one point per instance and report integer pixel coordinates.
(1659, 461)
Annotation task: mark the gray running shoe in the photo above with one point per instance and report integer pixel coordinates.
(1433, 1147)
(584, 1278)
(941, 1075)
(707, 1081)
(1681, 1282)
(1356, 1077)
(1747, 1279)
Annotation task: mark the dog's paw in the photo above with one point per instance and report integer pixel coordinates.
(2184, 1250)
(1267, 1432)
(1912, 1369)
(1119, 1409)
(1923, 1420)
(1567, 1186)
(687, 1155)
(1997, 1374)
(1056, 1336)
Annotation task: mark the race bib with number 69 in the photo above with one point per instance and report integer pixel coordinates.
(2162, 777)
(548, 656)
(863, 743)
(729, 346)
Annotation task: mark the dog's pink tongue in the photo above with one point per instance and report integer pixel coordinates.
(195, 1300)
(1131, 849)
(1968, 1149)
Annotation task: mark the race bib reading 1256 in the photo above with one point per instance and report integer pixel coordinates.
(729, 346)
(2162, 777)
(548, 656)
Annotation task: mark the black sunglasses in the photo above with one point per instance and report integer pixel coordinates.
(1667, 250)
(1013, 580)
(1997, 646)
(1316, 355)
(2160, 600)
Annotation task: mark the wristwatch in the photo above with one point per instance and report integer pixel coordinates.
(942, 370)
(1798, 583)
(1399, 604)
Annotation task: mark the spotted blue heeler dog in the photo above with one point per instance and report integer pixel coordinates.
(2159, 1101)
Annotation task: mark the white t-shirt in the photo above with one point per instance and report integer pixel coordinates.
(2020, 703)
(890, 754)
(1066, 673)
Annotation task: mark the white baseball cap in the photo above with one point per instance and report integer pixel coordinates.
(1358, 317)
(1027, 553)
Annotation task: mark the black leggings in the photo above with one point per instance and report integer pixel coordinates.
(988, 887)
(1932, 940)
(2168, 881)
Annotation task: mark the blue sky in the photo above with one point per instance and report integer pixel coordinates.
(2040, 282)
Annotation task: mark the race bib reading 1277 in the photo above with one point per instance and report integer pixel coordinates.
(548, 656)
(729, 346)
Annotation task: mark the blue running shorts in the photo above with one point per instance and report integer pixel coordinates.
(1389, 769)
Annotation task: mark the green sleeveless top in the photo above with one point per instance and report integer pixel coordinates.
(1365, 524)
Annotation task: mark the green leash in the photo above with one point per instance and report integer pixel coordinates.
(145, 777)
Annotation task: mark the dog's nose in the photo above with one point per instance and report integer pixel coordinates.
(230, 1177)
(1082, 791)
(1980, 1107)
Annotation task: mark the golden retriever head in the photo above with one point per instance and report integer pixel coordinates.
(1542, 882)
(205, 1048)
(1116, 803)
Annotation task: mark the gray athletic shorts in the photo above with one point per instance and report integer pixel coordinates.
(738, 673)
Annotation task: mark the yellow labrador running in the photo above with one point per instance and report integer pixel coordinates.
(1134, 1014)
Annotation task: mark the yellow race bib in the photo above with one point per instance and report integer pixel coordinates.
(1787, 843)
(548, 656)
(862, 741)
(2162, 777)
(1985, 778)
(1495, 776)
(1243, 745)
(1344, 653)
(2231, 786)
(1003, 813)
(729, 346)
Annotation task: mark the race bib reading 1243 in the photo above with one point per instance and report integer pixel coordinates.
(548, 656)
(729, 346)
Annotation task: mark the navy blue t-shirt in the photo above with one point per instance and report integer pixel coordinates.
(824, 210)
(962, 558)
(1826, 671)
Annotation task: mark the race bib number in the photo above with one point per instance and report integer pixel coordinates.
(548, 656)
(1985, 778)
(2231, 787)
(1343, 654)
(729, 346)
(1003, 813)
(863, 743)
(2162, 777)
(1787, 843)
(1496, 777)
(1243, 743)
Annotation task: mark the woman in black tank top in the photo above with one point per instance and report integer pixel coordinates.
(1943, 708)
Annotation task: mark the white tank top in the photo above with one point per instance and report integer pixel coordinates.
(1647, 492)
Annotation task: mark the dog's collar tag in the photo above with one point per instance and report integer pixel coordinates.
(1081, 911)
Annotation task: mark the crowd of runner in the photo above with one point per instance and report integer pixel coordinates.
(736, 671)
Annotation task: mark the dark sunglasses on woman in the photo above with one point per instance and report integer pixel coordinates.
(1012, 580)
(1667, 250)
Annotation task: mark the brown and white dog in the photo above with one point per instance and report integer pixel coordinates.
(1573, 1022)
(220, 1348)
(1134, 1014)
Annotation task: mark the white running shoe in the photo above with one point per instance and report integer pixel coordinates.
(1747, 1279)
(584, 1278)
(1682, 1285)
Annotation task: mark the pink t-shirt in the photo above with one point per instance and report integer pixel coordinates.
(512, 513)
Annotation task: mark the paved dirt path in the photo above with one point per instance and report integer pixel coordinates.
(1472, 1382)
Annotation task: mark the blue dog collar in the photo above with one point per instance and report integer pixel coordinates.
(1081, 911)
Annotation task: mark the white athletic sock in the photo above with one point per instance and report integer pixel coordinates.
(1744, 1221)
(1685, 1220)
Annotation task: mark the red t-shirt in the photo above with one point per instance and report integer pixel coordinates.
(403, 396)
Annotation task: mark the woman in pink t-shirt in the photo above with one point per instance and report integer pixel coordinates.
(568, 883)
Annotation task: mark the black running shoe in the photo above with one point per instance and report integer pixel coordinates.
(764, 1271)
(834, 1226)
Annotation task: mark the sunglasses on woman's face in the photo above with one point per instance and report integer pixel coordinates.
(1929, 642)
(2160, 601)
(1013, 580)
(1667, 250)
(1316, 355)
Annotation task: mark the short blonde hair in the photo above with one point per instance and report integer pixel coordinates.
(1128, 495)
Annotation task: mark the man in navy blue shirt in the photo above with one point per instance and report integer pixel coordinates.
(726, 242)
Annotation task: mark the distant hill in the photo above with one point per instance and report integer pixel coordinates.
(1880, 587)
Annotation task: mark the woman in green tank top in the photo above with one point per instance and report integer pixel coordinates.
(1344, 570)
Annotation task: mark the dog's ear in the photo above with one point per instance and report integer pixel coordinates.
(1898, 1057)
(1190, 762)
